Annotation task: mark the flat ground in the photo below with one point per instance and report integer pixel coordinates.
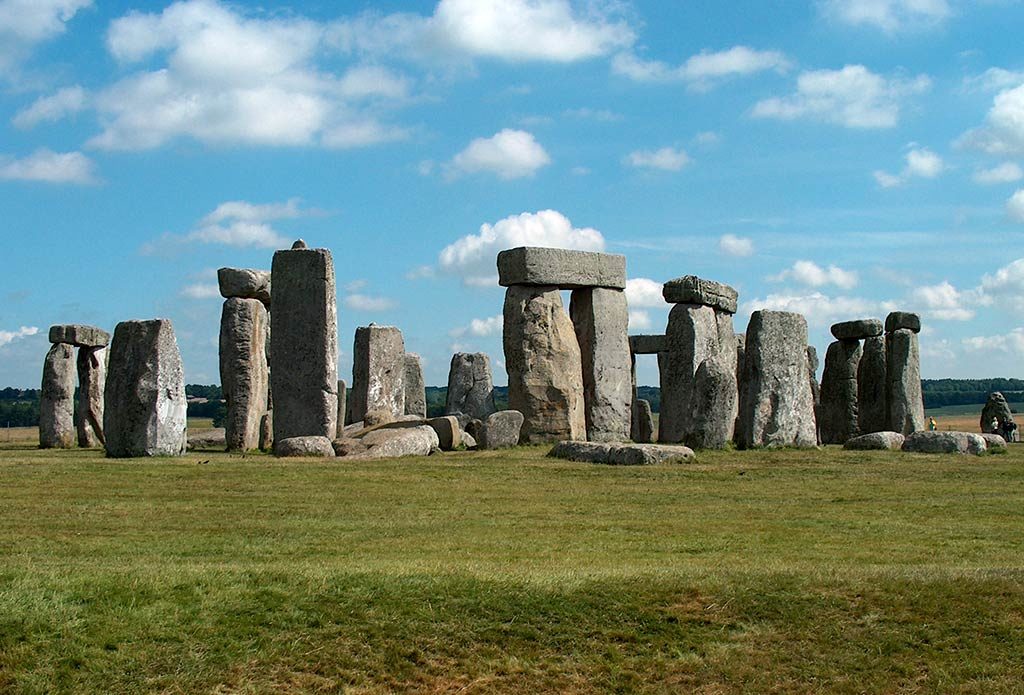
(786, 571)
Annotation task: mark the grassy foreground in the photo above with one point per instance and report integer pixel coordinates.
(785, 571)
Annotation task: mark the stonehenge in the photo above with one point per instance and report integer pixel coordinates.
(470, 385)
(378, 372)
(415, 388)
(997, 418)
(60, 421)
(244, 374)
(56, 398)
(642, 419)
(904, 400)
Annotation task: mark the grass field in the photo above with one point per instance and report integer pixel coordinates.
(784, 571)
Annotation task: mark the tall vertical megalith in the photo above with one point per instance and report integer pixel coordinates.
(904, 399)
(92, 379)
(872, 382)
(378, 372)
(470, 385)
(837, 414)
(56, 400)
(415, 388)
(342, 407)
(601, 321)
(244, 376)
(304, 336)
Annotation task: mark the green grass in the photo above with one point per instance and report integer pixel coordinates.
(786, 571)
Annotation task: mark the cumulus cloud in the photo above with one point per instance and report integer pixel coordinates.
(1003, 131)
(921, 163)
(1005, 287)
(510, 154)
(473, 257)
(26, 23)
(640, 320)
(943, 302)
(201, 290)
(10, 336)
(818, 308)
(853, 97)
(1007, 172)
(1011, 343)
(665, 159)
(48, 166)
(1015, 206)
(811, 274)
(701, 71)
(235, 223)
(480, 328)
(993, 80)
(51, 108)
(889, 15)
(644, 292)
(366, 302)
(732, 245)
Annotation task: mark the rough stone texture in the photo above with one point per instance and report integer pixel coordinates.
(871, 386)
(470, 385)
(312, 446)
(647, 344)
(475, 429)
(210, 439)
(905, 403)
(776, 406)
(244, 376)
(698, 381)
(92, 379)
(945, 443)
(876, 441)
(545, 372)
(501, 430)
(998, 410)
(374, 418)
(378, 371)
(144, 399)
(267, 431)
(419, 440)
(56, 401)
(245, 283)
(304, 352)
(857, 330)
(415, 388)
(837, 413)
(812, 376)
(642, 430)
(449, 434)
(79, 335)
(621, 454)
(601, 320)
(902, 319)
(347, 446)
(993, 441)
(532, 265)
(342, 403)
(691, 289)
(468, 440)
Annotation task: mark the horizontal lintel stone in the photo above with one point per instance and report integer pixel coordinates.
(564, 268)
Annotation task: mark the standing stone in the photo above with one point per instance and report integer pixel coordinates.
(267, 431)
(501, 430)
(996, 410)
(776, 406)
(144, 399)
(378, 372)
(904, 397)
(92, 379)
(871, 386)
(545, 372)
(812, 375)
(601, 320)
(342, 404)
(643, 422)
(838, 410)
(56, 401)
(243, 371)
(304, 355)
(470, 387)
(415, 389)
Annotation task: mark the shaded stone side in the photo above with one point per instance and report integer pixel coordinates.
(415, 389)
(871, 387)
(378, 372)
(470, 385)
(244, 376)
(342, 407)
(812, 376)
(601, 321)
(838, 409)
(56, 399)
(903, 395)
(642, 430)
(92, 379)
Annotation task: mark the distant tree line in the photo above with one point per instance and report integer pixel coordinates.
(940, 392)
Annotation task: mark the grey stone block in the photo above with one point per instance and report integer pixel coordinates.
(691, 289)
(563, 268)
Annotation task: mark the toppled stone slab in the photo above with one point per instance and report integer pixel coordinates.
(993, 441)
(244, 283)
(691, 289)
(79, 335)
(501, 430)
(449, 434)
(418, 440)
(312, 446)
(857, 330)
(210, 439)
(880, 441)
(647, 344)
(622, 454)
(348, 446)
(470, 386)
(902, 319)
(929, 442)
(563, 268)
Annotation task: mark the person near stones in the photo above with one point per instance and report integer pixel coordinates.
(932, 425)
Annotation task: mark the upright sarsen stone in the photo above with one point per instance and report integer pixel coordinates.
(378, 372)
(304, 335)
(871, 387)
(243, 371)
(415, 388)
(903, 395)
(144, 399)
(838, 411)
(92, 379)
(56, 399)
(601, 321)
(342, 406)
(470, 385)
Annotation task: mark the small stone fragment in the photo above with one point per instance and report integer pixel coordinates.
(876, 441)
(501, 430)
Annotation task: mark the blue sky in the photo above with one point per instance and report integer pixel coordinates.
(840, 158)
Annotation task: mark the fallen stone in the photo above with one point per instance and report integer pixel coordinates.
(210, 439)
(993, 441)
(601, 320)
(56, 398)
(857, 330)
(309, 446)
(647, 344)
(375, 418)
(79, 335)
(838, 410)
(902, 319)
(415, 389)
(691, 289)
(244, 283)
(622, 454)
(563, 268)
(642, 431)
(501, 430)
(927, 442)
(378, 371)
(905, 402)
(876, 441)
(470, 385)
(419, 440)
(347, 446)
(449, 434)
(474, 428)
(92, 379)
(871, 386)
(468, 440)
(244, 375)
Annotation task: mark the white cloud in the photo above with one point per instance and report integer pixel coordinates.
(707, 138)
(588, 114)
(701, 71)
(49, 167)
(1007, 172)
(473, 257)
(818, 308)
(480, 328)
(10, 336)
(1005, 287)
(25, 23)
(921, 163)
(355, 285)
(1011, 343)
(365, 302)
(52, 108)
(421, 272)
(889, 15)
(1015, 206)
(644, 292)
(853, 97)
(201, 290)
(732, 245)
(993, 80)
(665, 159)
(811, 274)
(640, 320)
(510, 154)
(1003, 132)
(943, 302)
(236, 223)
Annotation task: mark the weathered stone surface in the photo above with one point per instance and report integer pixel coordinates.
(996, 414)
(642, 430)
(905, 402)
(532, 265)
(812, 376)
(449, 434)
(501, 430)
(210, 439)
(857, 330)
(902, 319)
(144, 399)
(776, 406)
(309, 446)
(374, 418)
(601, 320)
(348, 446)
(304, 352)
(838, 409)
(245, 283)
(56, 400)
(378, 371)
(945, 443)
(470, 385)
(871, 386)
(475, 428)
(419, 440)
(876, 441)
(244, 375)
(267, 431)
(621, 454)
(468, 440)
(92, 379)
(993, 441)
(79, 335)
(342, 404)
(698, 384)
(415, 388)
(691, 289)
(647, 344)
(545, 372)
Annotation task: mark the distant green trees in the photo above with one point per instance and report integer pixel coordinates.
(940, 392)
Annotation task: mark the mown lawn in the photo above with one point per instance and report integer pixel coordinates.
(784, 571)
